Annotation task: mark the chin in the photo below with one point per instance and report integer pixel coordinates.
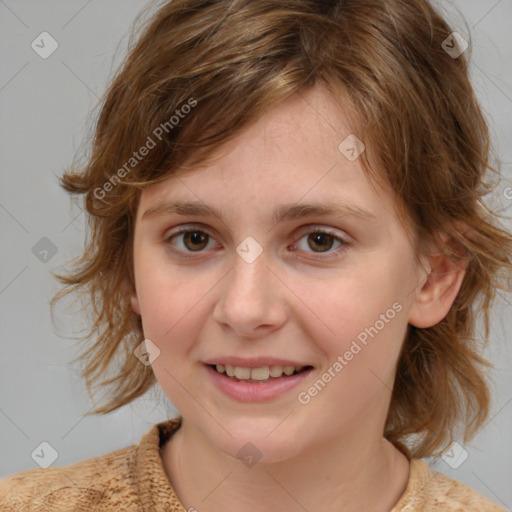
(253, 444)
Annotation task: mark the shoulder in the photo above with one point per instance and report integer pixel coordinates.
(430, 490)
(93, 483)
(130, 479)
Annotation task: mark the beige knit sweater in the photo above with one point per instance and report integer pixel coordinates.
(133, 479)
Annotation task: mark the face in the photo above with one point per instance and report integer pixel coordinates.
(327, 294)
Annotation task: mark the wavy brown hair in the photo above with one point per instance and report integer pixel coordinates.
(200, 71)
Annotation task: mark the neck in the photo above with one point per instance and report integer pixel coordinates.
(349, 473)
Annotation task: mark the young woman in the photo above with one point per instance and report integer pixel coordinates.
(288, 235)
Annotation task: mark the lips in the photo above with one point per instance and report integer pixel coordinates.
(249, 389)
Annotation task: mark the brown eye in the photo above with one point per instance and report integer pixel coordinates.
(187, 241)
(321, 241)
(195, 240)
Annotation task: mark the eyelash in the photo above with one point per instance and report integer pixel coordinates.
(194, 229)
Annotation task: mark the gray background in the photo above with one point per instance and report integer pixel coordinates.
(45, 107)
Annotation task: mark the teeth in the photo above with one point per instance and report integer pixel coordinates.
(260, 374)
(242, 373)
(276, 371)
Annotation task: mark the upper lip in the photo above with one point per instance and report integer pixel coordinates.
(253, 362)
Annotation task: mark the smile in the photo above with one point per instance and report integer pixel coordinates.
(261, 374)
(258, 384)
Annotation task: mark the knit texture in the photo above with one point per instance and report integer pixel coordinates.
(133, 479)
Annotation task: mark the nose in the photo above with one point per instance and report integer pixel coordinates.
(251, 299)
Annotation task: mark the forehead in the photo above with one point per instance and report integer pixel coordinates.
(309, 122)
(291, 154)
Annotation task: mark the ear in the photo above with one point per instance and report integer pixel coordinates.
(444, 279)
(135, 303)
(134, 299)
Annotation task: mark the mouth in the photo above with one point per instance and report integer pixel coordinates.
(261, 374)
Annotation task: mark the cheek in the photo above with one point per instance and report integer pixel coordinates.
(355, 305)
(368, 323)
(171, 300)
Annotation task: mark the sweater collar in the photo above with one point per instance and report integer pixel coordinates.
(155, 490)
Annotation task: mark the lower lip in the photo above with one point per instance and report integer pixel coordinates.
(256, 391)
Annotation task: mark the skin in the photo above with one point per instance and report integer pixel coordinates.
(329, 454)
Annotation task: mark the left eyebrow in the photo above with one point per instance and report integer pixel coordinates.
(282, 213)
(297, 211)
